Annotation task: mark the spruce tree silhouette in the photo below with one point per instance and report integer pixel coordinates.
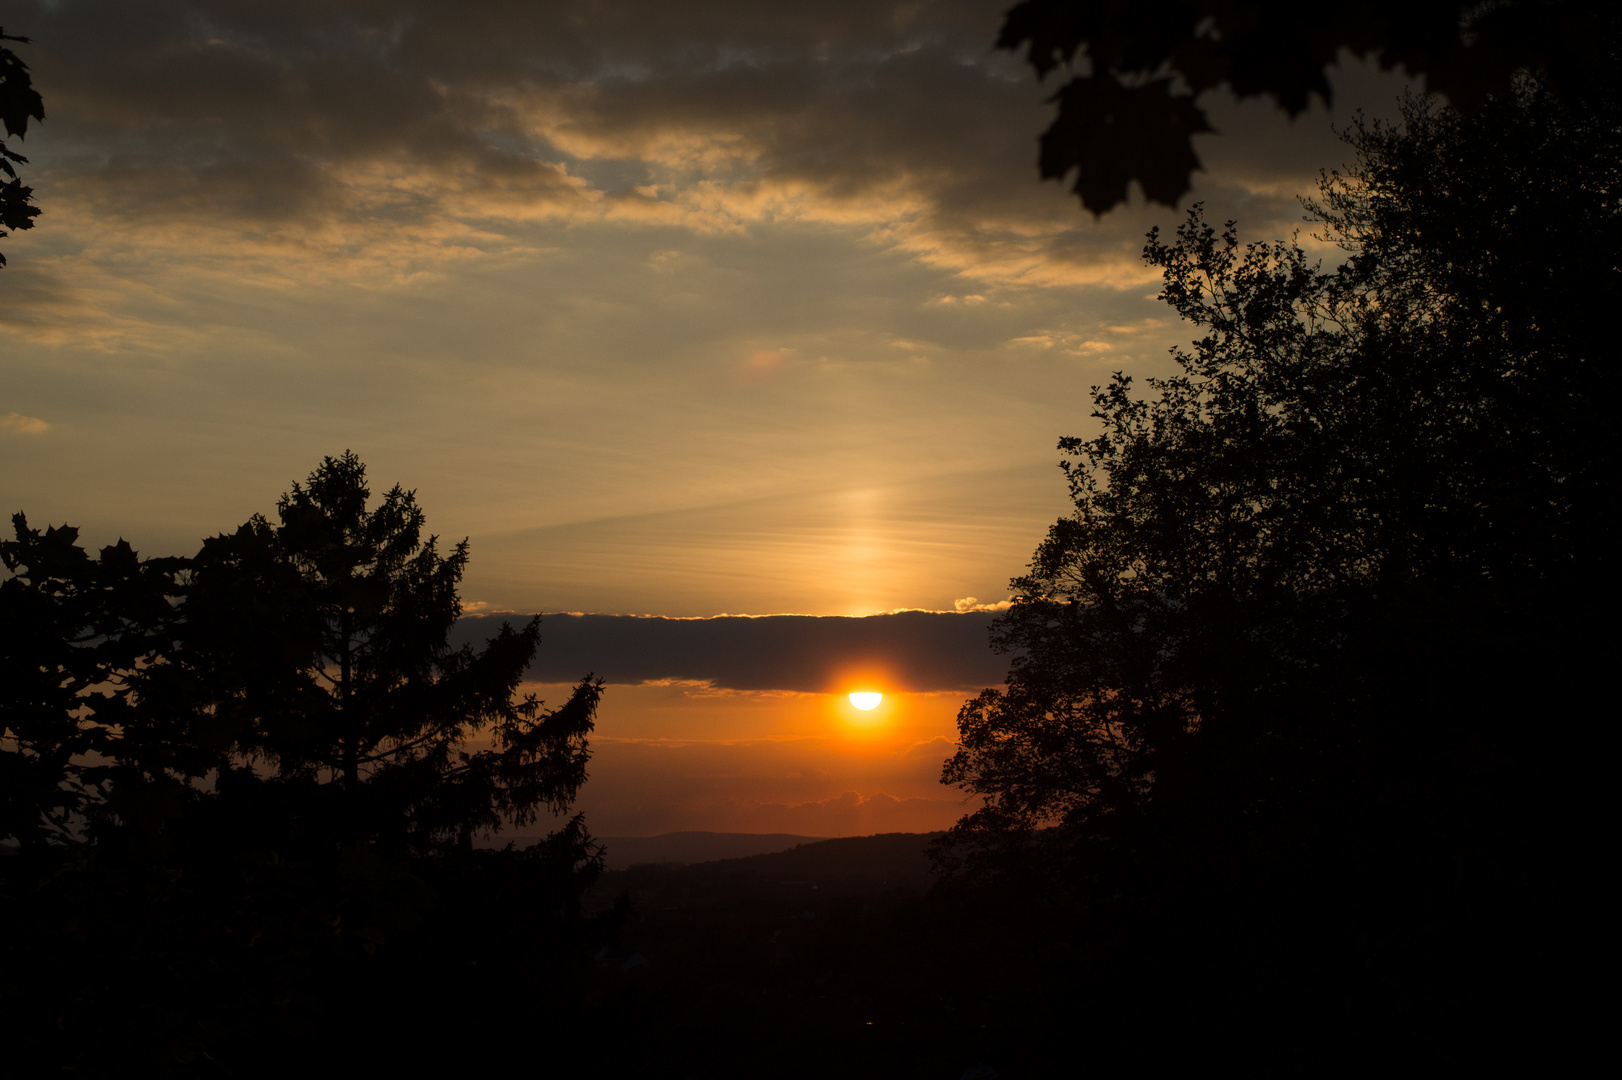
(242, 789)
(322, 640)
(366, 753)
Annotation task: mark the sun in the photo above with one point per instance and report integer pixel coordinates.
(866, 700)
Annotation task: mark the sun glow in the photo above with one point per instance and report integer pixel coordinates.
(866, 700)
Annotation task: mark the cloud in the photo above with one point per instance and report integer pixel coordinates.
(525, 256)
(380, 138)
(903, 652)
(972, 603)
(24, 425)
(1066, 342)
(850, 548)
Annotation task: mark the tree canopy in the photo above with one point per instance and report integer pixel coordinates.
(1431, 417)
(240, 790)
(323, 638)
(75, 633)
(1129, 114)
(1309, 663)
(19, 103)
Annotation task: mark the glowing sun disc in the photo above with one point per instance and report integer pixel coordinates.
(866, 701)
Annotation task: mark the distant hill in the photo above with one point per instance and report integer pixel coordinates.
(821, 960)
(885, 859)
(623, 852)
(853, 866)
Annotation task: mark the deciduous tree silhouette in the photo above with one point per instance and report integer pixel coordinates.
(1287, 673)
(1130, 112)
(19, 103)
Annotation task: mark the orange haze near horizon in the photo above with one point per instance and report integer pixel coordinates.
(673, 756)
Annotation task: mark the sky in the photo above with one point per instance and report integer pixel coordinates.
(673, 310)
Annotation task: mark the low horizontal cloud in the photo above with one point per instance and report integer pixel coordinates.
(913, 651)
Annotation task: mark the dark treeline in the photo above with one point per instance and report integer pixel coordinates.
(1304, 730)
(239, 793)
(1298, 757)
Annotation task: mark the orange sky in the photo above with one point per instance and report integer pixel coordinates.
(678, 757)
(671, 309)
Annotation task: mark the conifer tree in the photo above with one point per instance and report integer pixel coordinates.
(240, 793)
(321, 640)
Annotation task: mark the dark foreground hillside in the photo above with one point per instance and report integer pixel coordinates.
(824, 960)
(623, 852)
(846, 958)
(864, 866)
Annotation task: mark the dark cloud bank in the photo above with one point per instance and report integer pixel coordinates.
(910, 651)
(259, 115)
(242, 110)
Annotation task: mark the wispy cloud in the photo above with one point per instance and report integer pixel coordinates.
(971, 603)
(627, 287)
(23, 425)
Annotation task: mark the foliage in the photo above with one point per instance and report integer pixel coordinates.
(1130, 114)
(323, 640)
(75, 633)
(1304, 693)
(19, 102)
(240, 793)
(1425, 427)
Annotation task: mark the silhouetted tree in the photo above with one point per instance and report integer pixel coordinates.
(241, 790)
(1433, 413)
(1130, 113)
(19, 103)
(322, 640)
(1287, 675)
(75, 632)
